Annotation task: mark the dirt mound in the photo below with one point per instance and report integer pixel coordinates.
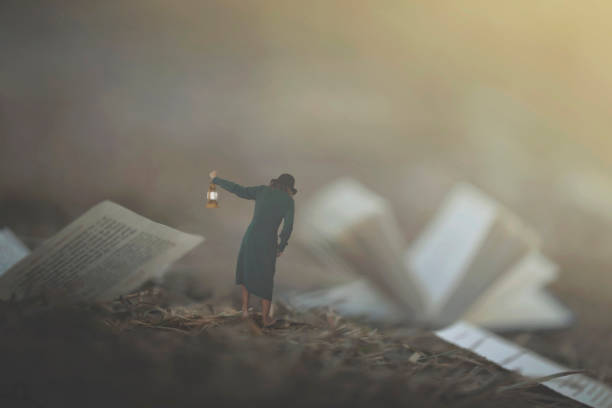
(143, 351)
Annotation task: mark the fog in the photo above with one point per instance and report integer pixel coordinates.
(136, 101)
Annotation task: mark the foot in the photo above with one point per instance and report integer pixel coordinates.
(268, 322)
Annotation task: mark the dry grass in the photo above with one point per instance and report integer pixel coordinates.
(141, 351)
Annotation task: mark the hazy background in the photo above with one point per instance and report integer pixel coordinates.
(137, 100)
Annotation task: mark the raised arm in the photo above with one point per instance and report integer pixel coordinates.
(287, 228)
(250, 193)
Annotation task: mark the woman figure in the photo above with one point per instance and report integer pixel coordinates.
(260, 245)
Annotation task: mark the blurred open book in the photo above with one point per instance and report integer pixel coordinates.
(475, 261)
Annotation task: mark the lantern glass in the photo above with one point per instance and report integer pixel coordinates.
(211, 197)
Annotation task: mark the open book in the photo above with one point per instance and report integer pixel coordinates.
(106, 252)
(475, 261)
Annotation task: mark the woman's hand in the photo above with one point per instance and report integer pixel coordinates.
(212, 174)
(279, 253)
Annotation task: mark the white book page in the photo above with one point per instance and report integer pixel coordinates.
(12, 250)
(443, 252)
(106, 251)
(513, 357)
(338, 206)
(354, 299)
(517, 299)
(531, 309)
(352, 229)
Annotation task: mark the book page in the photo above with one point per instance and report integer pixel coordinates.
(513, 357)
(502, 248)
(354, 299)
(469, 244)
(517, 300)
(107, 251)
(12, 250)
(442, 253)
(531, 309)
(353, 230)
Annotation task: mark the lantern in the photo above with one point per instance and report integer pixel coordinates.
(211, 196)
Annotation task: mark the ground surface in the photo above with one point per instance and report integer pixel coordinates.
(147, 350)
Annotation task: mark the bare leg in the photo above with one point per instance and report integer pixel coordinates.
(265, 313)
(245, 302)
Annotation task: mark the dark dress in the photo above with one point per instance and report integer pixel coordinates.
(257, 257)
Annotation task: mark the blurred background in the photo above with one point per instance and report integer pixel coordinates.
(136, 101)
